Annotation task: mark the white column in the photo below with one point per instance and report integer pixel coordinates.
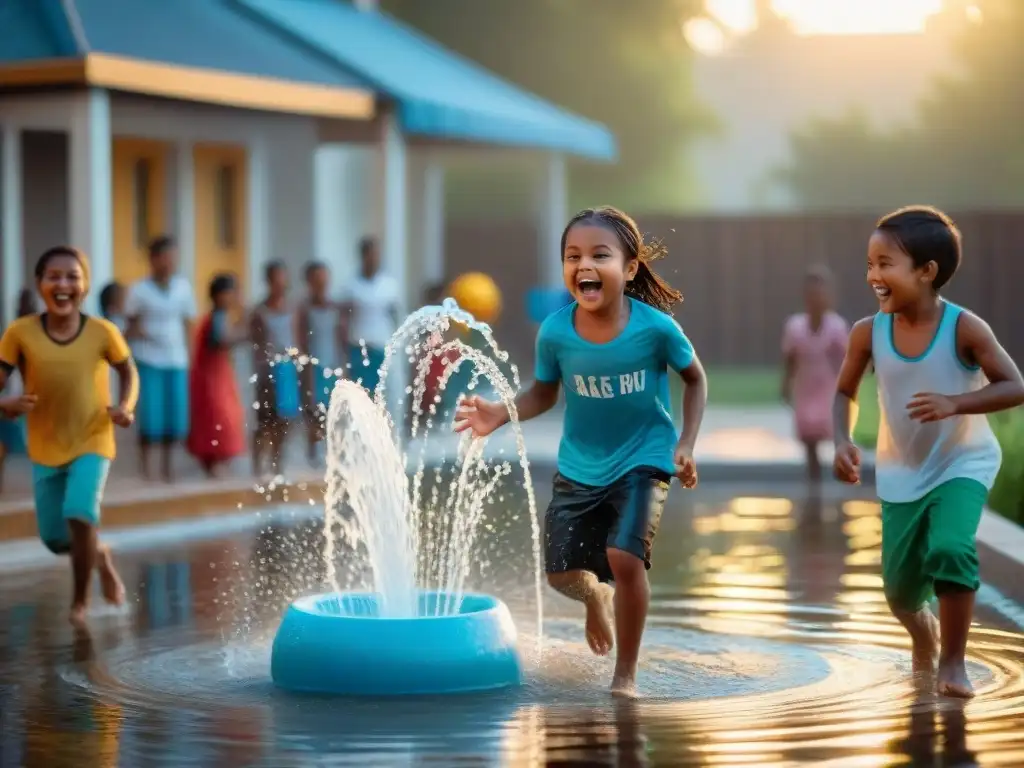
(393, 184)
(553, 215)
(258, 198)
(12, 247)
(91, 193)
(425, 224)
(185, 212)
(432, 269)
(394, 195)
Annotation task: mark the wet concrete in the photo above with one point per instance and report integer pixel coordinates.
(769, 644)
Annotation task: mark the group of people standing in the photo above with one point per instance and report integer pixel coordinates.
(189, 392)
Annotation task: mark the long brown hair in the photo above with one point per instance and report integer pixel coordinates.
(647, 286)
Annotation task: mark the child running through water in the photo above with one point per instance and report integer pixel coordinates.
(64, 357)
(939, 368)
(813, 345)
(612, 348)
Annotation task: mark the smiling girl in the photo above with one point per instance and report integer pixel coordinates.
(612, 348)
(64, 358)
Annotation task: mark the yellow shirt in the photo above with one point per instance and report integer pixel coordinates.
(72, 381)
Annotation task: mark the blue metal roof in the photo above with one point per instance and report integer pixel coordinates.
(323, 42)
(34, 29)
(439, 93)
(207, 34)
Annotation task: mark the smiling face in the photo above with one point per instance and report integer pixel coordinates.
(595, 267)
(62, 285)
(897, 283)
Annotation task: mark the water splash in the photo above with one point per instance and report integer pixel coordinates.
(420, 532)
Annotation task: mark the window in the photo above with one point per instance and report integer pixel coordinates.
(142, 174)
(226, 202)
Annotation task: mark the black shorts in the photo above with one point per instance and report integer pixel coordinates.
(583, 521)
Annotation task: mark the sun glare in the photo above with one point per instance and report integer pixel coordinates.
(726, 19)
(857, 17)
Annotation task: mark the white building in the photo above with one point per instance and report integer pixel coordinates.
(250, 130)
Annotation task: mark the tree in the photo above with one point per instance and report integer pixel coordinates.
(965, 148)
(624, 64)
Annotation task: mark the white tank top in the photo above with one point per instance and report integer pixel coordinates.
(914, 458)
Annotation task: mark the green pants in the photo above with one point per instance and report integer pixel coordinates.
(931, 540)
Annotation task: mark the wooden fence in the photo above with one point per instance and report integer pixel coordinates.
(742, 276)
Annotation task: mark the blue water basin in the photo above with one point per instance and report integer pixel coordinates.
(340, 644)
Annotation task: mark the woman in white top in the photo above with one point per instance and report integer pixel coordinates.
(160, 311)
(369, 316)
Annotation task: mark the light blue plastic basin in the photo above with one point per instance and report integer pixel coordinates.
(338, 644)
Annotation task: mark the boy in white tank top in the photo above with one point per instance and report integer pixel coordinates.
(939, 370)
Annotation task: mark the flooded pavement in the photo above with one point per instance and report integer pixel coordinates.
(769, 644)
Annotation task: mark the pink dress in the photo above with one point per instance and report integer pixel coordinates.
(819, 355)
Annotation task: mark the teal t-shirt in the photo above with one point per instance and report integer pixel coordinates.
(617, 415)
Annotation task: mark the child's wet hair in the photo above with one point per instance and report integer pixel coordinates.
(647, 286)
(221, 283)
(62, 251)
(925, 234)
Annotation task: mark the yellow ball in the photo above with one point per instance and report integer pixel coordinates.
(478, 294)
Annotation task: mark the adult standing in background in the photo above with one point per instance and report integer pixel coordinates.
(160, 311)
(369, 315)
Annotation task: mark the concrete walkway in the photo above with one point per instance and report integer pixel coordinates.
(755, 443)
(754, 440)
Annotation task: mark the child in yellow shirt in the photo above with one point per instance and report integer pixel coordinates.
(64, 358)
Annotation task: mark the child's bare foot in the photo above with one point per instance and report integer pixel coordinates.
(77, 616)
(953, 680)
(624, 687)
(600, 618)
(110, 582)
(925, 642)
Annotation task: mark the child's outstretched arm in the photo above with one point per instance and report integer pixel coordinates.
(976, 345)
(855, 362)
(485, 416)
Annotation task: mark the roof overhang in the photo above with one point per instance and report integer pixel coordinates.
(206, 86)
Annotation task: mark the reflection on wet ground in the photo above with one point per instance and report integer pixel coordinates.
(768, 645)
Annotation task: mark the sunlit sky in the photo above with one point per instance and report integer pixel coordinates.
(726, 18)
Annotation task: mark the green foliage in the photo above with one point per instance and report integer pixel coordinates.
(1007, 496)
(624, 64)
(865, 429)
(965, 149)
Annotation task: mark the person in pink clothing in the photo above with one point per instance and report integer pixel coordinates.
(813, 346)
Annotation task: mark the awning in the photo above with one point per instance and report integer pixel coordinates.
(439, 94)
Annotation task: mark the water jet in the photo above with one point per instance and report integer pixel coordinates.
(415, 628)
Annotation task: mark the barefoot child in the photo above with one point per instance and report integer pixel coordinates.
(217, 419)
(938, 368)
(813, 344)
(612, 348)
(64, 357)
